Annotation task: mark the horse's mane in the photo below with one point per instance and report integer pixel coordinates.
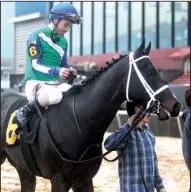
(102, 69)
(77, 88)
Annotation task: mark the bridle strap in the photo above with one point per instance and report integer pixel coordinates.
(129, 74)
(156, 93)
(147, 87)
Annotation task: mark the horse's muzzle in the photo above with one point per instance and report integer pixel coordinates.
(176, 109)
(173, 107)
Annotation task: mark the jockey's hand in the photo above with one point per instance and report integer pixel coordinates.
(73, 71)
(64, 72)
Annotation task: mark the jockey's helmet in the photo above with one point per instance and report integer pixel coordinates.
(65, 11)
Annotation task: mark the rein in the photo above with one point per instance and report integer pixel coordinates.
(138, 117)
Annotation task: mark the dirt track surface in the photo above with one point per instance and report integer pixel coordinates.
(171, 165)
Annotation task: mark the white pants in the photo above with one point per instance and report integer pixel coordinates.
(47, 94)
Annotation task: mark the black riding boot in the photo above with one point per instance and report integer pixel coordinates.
(25, 112)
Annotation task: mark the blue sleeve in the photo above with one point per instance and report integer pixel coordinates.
(113, 139)
(64, 58)
(35, 53)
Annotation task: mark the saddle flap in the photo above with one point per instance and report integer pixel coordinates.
(30, 129)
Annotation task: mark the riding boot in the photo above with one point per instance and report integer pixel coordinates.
(25, 112)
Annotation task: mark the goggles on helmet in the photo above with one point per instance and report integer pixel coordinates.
(73, 18)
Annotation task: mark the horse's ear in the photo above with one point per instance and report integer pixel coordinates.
(147, 50)
(140, 49)
(130, 107)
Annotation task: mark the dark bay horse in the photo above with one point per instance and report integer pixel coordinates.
(130, 77)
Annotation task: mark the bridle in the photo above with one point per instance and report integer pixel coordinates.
(149, 90)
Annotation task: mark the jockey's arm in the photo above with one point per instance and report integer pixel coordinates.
(64, 63)
(64, 58)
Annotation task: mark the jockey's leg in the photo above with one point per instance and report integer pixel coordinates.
(24, 112)
(49, 95)
(28, 109)
(46, 95)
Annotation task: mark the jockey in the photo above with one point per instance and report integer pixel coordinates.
(47, 60)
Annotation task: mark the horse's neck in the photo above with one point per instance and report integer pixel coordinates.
(105, 89)
(102, 99)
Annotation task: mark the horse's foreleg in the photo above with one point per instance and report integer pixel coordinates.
(58, 184)
(83, 187)
(27, 179)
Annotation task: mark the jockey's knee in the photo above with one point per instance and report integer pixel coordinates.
(55, 97)
(48, 95)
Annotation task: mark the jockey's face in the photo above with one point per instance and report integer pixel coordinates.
(63, 26)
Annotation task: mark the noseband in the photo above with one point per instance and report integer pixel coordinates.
(149, 90)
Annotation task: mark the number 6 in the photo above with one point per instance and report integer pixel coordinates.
(32, 51)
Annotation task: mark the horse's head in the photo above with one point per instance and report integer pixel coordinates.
(144, 84)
